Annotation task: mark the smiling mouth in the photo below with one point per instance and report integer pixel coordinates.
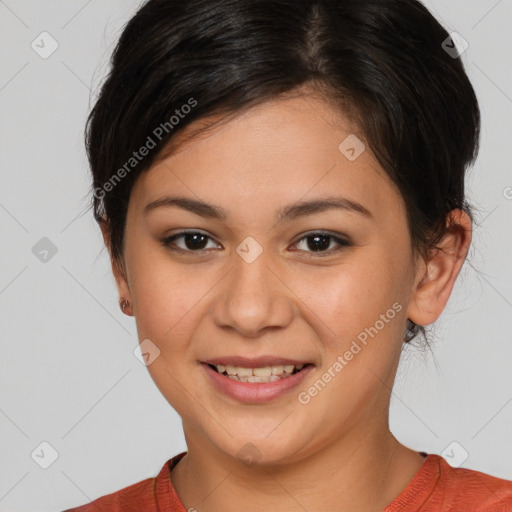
(258, 375)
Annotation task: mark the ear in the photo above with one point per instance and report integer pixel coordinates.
(435, 285)
(118, 269)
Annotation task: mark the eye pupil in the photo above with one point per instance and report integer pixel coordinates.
(195, 237)
(319, 247)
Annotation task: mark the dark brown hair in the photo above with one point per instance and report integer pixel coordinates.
(382, 62)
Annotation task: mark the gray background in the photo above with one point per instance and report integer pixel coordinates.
(68, 375)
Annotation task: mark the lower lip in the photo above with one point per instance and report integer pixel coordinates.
(255, 392)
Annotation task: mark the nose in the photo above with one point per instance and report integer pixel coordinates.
(253, 298)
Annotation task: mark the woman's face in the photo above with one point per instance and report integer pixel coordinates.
(266, 278)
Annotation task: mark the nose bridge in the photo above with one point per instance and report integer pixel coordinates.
(251, 271)
(252, 298)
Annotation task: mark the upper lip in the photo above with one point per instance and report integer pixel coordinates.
(256, 362)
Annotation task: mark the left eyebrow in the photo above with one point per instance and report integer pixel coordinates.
(304, 208)
(287, 213)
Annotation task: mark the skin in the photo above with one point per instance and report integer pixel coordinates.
(335, 452)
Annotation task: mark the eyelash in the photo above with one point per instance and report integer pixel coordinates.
(343, 243)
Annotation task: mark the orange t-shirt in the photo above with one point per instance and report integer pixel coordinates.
(436, 487)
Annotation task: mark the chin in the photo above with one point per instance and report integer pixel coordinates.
(255, 450)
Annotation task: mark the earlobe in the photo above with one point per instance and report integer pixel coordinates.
(442, 268)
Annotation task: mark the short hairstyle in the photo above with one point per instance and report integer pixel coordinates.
(381, 62)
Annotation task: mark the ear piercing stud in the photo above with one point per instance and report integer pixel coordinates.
(125, 305)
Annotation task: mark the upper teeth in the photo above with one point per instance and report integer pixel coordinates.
(266, 371)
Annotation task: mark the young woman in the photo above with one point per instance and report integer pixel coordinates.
(280, 185)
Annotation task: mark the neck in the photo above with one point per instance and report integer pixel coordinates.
(356, 473)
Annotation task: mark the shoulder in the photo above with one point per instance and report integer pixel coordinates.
(150, 495)
(136, 497)
(467, 489)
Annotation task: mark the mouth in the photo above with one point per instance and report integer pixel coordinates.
(258, 380)
(262, 374)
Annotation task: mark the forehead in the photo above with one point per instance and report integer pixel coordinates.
(280, 150)
(299, 105)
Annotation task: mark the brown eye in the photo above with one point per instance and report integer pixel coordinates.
(193, 241)
(321, 243)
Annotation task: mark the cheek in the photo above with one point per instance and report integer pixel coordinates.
(352, 296)
(168, 304)
(167, 295)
